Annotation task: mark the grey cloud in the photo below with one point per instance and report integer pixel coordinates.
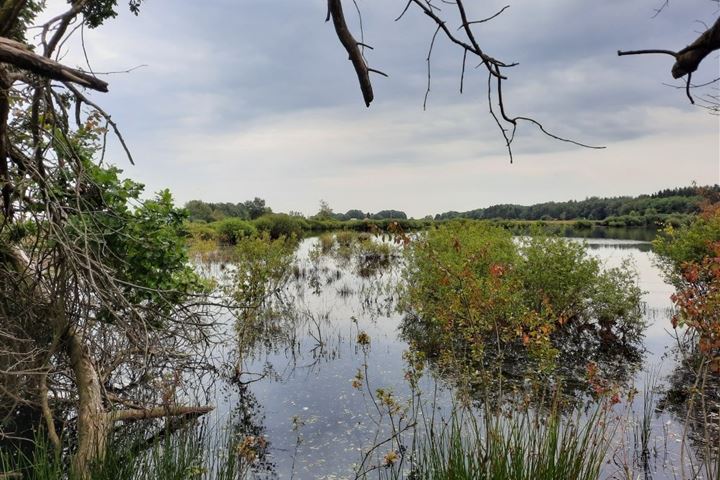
(221, 70)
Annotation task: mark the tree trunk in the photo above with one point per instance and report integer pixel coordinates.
(93, 422)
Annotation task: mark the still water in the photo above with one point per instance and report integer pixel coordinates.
(293, 370)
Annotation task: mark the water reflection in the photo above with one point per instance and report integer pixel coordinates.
(297, 356)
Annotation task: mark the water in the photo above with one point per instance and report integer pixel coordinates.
(297, 391)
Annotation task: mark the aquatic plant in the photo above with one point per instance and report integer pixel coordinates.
(476, 299)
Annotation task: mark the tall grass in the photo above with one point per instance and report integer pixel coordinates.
(519, 446)
(183, 455)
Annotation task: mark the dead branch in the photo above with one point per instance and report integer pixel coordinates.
(689, 58)
(158, 412)
(18, 55)
(11, 476)
(352, 47)
(83, 99)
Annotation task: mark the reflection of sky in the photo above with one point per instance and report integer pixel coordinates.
(318, 389)
(656, 292)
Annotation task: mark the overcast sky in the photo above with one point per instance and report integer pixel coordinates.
(245, 98)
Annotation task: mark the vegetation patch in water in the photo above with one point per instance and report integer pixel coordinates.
(476, 297)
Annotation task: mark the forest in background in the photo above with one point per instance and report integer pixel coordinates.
(681, 200)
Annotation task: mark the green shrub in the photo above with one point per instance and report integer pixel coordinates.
(471, 284)
(281, 225)
(326, 242)
(231, 230)
(201, 231)
(689, 243)
(263, 266)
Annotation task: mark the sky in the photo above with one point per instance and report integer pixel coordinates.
(243, 98)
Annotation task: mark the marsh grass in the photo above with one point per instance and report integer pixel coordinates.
(520, 446)
(187, 454)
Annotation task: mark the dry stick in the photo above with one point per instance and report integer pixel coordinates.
(429, 55)
(82, 98)
(687, 88)
(497, 120)
(11, 476)
(462, 73)
(18, 55)
(485, 19)
(361, 43)
(689, 58)
(514, 121)
(490, 62)
(335, 12)
(697, 85)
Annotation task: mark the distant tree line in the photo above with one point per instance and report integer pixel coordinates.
(685, 200)
(360, 215)
(199, 211)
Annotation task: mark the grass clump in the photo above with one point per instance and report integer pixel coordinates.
(520, 446)
(187, 454)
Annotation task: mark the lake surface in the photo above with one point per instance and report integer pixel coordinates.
(294, 371)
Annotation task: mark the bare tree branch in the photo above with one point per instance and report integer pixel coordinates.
(335, 12)
(689, 58)
(18, 55)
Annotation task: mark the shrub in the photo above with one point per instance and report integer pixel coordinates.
(583, 224)
(471, 284)
(231, 230)
(200, 231)
(690, 259)
(263, 265)
(281, 225)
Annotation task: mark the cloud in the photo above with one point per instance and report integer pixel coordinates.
(243, 98)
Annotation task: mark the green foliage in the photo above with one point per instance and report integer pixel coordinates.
(201, 231)
(690, 260)
(644, 210)
(281, 225)
(231, 230)
(689, 244)
(470, 285)
(209, 212)
(325, 212)
(97, 11)
(184, 455)
(389, 215)
(354, 214)
(262, 267)
(27, 15)
(256, 208)
(143, 244)
(516, 445)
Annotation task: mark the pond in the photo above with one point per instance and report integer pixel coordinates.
(294, 364)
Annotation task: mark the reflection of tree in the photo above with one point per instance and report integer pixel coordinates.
(248, 430)
(282, 322)
(510, 368)
(693, 396)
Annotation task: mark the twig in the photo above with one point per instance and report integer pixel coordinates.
(429, 55)
(484, 19)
